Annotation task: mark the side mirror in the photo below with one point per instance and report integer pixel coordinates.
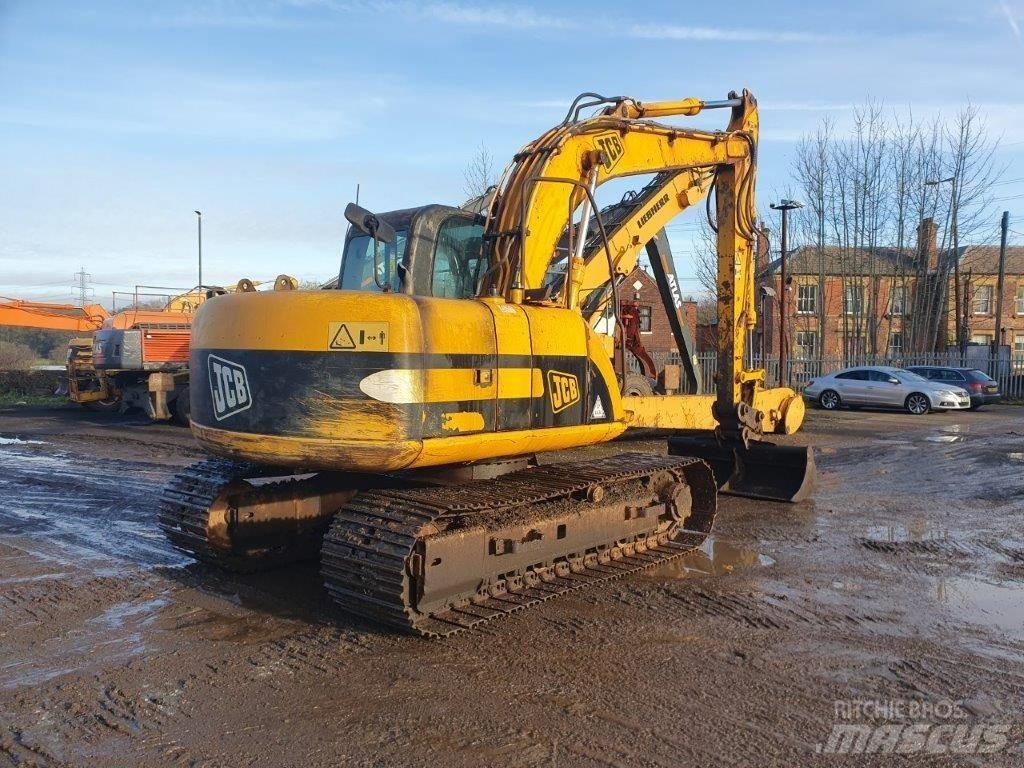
(893, 380)
(369, 224)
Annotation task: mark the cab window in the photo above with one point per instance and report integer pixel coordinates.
(458, 264)
(880, 376)
(357, 264)
(855, 375)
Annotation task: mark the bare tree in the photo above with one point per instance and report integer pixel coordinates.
(705, 252)
(811, 170)
(866, 194)
(479, 174)
(970, 162)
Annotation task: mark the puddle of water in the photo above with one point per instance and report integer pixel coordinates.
(946, 438)
(116, 616)
(715, 558)
(19, 441)
(1000, 607)
(915, 530)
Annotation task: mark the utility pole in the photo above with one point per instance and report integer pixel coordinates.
(785, 206)
(199, 224)
(82, 279)
(997, 337)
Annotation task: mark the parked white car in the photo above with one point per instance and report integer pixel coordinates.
(881, 386)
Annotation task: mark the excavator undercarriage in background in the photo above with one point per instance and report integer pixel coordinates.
(392, 426)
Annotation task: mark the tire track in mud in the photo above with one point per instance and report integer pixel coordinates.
(769, 611)
(21, 749)
(1006, 557)
(44, 600)
(52, 717)
(937, 677)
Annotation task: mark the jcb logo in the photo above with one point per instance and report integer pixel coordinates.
(611, 149)
(229, 386)
(564, 390)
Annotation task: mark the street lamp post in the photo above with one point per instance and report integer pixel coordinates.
(785, 206)
(199, 224)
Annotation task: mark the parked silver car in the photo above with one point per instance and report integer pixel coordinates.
(881, 386)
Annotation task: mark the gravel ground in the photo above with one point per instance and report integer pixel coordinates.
(900, 585)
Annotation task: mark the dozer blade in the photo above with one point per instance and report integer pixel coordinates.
(762, 471)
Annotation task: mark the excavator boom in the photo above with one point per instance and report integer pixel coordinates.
(19, 313)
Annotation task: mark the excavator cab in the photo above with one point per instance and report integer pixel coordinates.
(433, 250)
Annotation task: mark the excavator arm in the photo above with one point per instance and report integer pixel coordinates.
(556, 175)
(637, 224)
(19, 313)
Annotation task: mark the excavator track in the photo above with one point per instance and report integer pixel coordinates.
(377, 554)
(199, 513)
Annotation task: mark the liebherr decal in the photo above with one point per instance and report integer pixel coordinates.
(655, 207)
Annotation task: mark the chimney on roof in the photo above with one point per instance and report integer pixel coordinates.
(927, 244)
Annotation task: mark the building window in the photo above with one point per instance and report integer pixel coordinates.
(983, 300)
(898, 300)
(853, 300)
(806, 299)
(644, 314)
(806, 345)
(981, 338)
(895, 344)
(1020, 300)
(1018, 345)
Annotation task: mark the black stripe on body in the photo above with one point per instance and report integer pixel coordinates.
(299, 393)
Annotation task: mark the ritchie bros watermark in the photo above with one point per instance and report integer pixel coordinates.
(912, 726)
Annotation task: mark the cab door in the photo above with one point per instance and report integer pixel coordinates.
(456, 267)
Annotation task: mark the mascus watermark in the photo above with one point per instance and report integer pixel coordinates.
(911, 726)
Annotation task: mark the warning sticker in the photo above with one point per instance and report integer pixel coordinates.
(358, 337)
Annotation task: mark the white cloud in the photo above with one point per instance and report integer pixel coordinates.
(720, 34)
(519, 17)
(509, 16)
(1011, 19)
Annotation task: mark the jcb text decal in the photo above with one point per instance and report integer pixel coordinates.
(611, 149)
(229, 386)
(563, 389)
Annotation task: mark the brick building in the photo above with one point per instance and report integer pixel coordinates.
(849, 303)
(655, 331)
(979, 273)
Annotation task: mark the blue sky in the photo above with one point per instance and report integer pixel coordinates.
(118, 119)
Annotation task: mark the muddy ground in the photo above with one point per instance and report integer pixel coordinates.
(902, 581)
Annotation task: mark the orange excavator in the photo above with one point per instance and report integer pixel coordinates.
(134, 358)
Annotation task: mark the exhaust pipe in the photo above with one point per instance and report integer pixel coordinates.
(762, 471)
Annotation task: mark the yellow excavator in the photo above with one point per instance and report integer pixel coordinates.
(391, 426)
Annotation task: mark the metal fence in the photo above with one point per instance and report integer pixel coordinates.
(1007, 369)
